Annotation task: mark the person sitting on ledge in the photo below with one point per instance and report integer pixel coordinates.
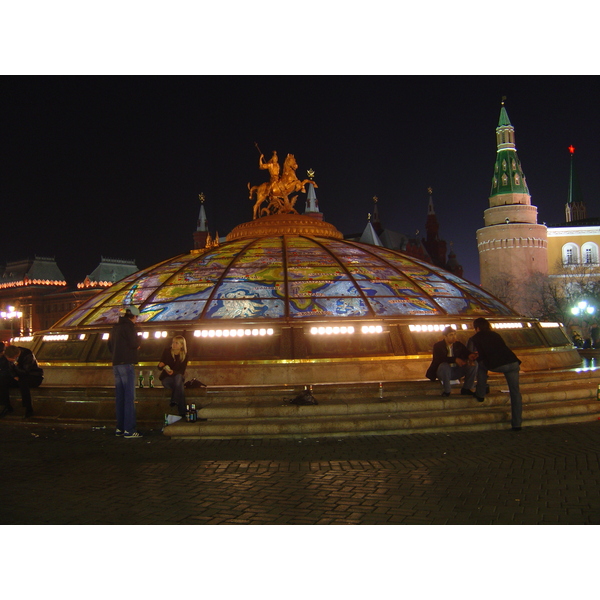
(172, 366)
(18, 369)
(451, 361)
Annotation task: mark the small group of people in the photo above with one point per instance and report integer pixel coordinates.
(18, 369)
(124, 345)
(485, 351)
(589, 343)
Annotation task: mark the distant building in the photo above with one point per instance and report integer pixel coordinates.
(109, 271)
(574, 258)
(525, 263)
(431, 249)
(576, 241)
(202, 238)
(40, 295)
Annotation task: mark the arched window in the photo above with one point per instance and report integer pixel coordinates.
(570, 254)
(589, 252)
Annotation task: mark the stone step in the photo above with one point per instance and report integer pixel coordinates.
(497, 417)
(324, 391)
(354, 407)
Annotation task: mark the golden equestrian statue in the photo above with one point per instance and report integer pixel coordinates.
(277, 190)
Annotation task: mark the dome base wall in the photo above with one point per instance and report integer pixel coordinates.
(300, 372)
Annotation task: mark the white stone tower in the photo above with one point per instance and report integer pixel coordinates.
(512, 245)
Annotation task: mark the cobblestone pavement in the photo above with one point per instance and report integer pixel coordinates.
(541, 475)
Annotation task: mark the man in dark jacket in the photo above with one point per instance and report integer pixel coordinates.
(451, 361)
(124, 344)
(493, 354)
(18, 369)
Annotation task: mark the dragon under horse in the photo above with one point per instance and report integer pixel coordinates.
(276, 192)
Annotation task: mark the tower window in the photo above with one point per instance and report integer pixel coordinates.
(517, 179)
(504, 179)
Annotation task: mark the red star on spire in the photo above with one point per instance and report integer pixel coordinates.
(572, 149)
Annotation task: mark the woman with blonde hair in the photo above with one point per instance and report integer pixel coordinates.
(172, 365)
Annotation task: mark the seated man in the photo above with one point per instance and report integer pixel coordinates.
(451, 361)
(18, 369)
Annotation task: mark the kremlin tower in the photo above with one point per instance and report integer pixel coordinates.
(512, 245)
(575, 207)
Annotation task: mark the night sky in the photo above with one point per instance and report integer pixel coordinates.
(112, 165)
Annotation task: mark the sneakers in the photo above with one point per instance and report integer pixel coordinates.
(119, 432)
(132, 434)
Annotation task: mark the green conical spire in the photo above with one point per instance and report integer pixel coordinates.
(504, 120)
(508, 175)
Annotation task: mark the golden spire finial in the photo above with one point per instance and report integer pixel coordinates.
(375, 198)
(368, 216)
(503, 100)
(311, 174)
(201, 197)
(430, 190)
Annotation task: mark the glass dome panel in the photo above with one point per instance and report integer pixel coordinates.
(287, 276)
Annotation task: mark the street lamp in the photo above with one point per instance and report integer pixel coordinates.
(583, 309)
(10, 314)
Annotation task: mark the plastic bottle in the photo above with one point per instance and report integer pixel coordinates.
(193, 414)
(187, 413)
(141, 380)
(150, 380)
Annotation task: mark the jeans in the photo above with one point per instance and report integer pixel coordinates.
(445, 373)
(175, 384)
(125, 397)
(511, 373)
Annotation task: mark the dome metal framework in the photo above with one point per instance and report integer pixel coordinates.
(287, 277)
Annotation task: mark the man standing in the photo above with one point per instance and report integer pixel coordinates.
(124, 344)
(493, 354)
(18, 369)
(451, 361)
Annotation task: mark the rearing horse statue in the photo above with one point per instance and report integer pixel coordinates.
(277, 192)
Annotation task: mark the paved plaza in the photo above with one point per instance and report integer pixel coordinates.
(60, 475)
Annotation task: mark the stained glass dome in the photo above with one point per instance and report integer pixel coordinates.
(287, 267)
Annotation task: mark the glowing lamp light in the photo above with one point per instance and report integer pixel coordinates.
(583, 308)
